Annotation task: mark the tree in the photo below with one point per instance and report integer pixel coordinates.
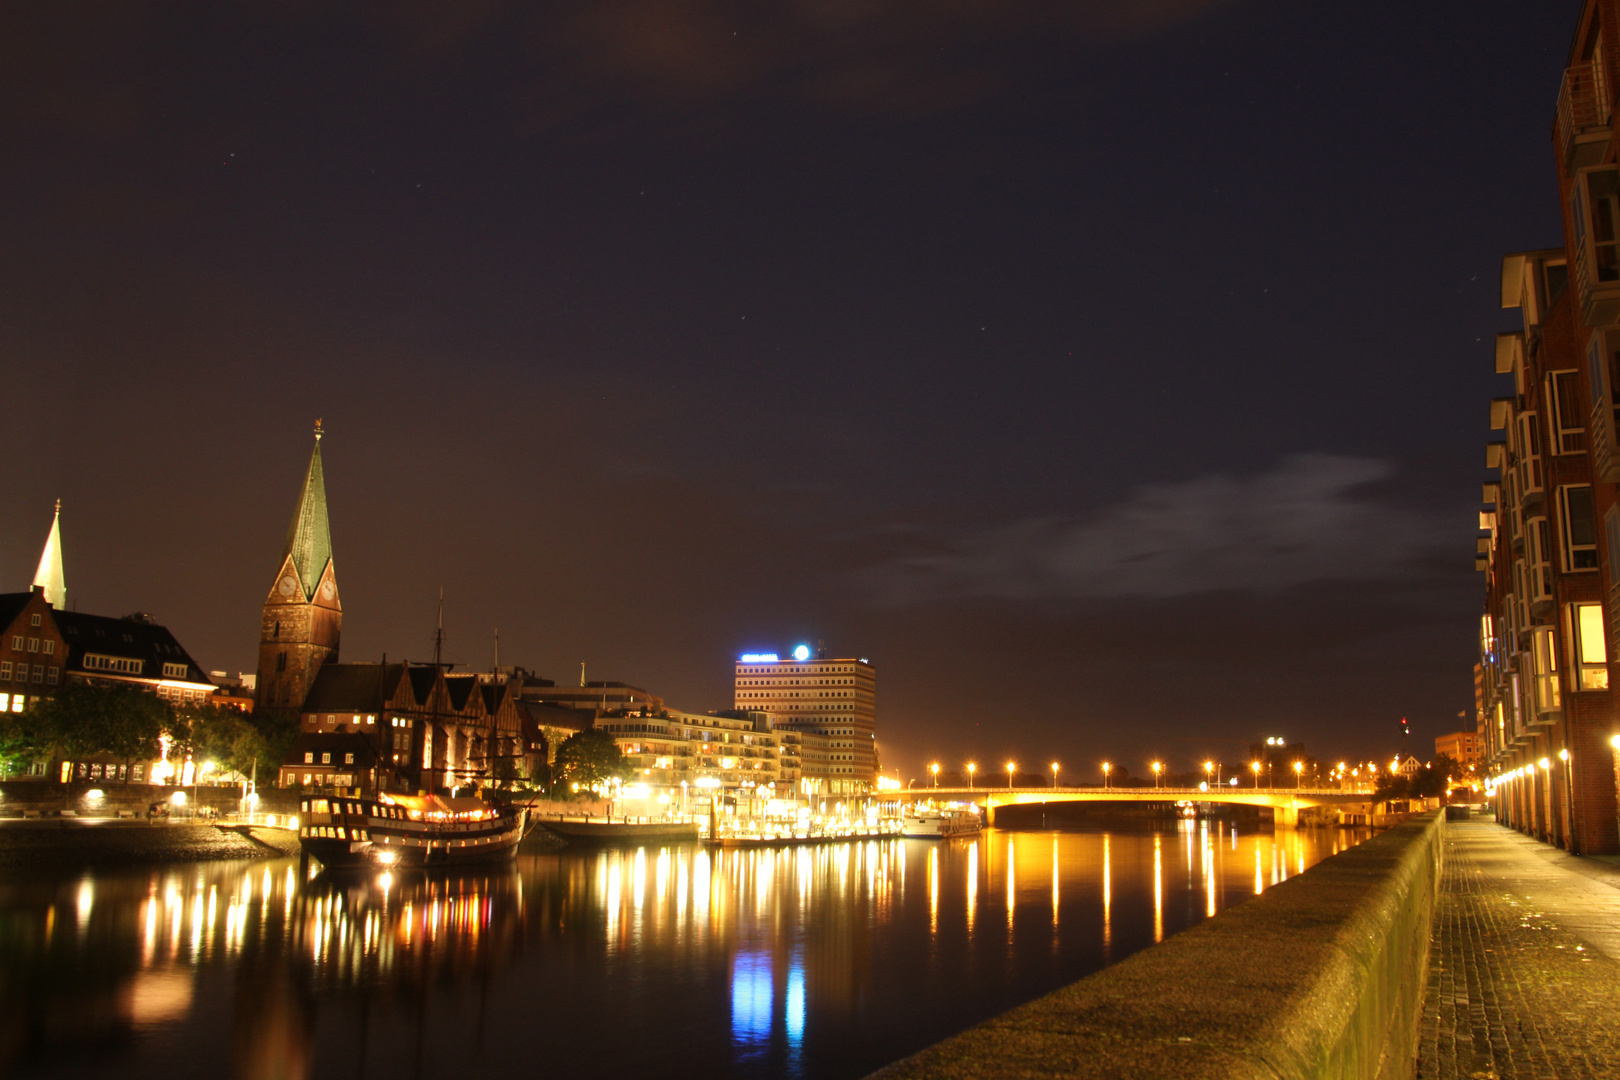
(590, 759)
(223, 736)
(85, 718)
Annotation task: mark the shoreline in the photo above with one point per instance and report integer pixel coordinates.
(68, 843)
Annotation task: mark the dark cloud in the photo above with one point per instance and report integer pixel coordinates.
(1306, 520)
(101, 66)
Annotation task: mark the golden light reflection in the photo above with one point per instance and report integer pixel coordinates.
(1158, 888)
(933, 890)
(1012, 887)
(972, 883)
(1055, 865)
(1108, 897)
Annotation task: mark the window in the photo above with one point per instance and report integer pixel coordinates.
(1527, 448)
(326, 758)
(281, 661)
(5, 667)
(1538, 571)
(39, 673)
(1544, 665)
(53, 675)
(309, 759)
(1566, 430)
(120, 664)
(174, 671)
(1596, 212)
(1579, 528)
(348, 759)
(50, 647)
(34, 621)
(17, 643)
(33, 644)
(1589, 646)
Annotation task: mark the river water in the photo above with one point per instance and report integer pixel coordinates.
(811, 962)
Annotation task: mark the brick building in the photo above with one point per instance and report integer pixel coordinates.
(1549, 540)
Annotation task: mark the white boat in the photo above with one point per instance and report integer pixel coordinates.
(930, 824)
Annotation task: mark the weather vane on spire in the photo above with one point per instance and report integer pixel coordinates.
(318, 431)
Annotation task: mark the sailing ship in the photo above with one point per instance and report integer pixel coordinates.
(408, 831)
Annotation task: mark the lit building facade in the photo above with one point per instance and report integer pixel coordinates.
(829, 703)
(1549, 542)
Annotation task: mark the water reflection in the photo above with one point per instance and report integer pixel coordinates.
(800, 962)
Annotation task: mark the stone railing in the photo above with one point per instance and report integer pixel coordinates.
(1321, 976)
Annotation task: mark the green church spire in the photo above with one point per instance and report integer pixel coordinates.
(309, 540)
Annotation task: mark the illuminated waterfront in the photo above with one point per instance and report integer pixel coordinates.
(824, 961)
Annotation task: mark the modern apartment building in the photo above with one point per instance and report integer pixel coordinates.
(1549, 542)
(830, 703)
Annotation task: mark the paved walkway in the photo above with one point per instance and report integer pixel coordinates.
(1524, 974)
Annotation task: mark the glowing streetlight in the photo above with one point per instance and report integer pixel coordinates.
(1255, 766)
(1010, 768)
(1209, 771)
(1108, 768)
(1299, 772)
(934, 768)
(1158, 767)
(1054, 774)
(972, 768)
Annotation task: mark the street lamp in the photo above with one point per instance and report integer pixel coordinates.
(1054, 775)
(1299, 771)
(1010, 768)
(1107, 768)
(1255, 765)
(1209, 770)
(1157, 768)
(972, 768)
(934, 768)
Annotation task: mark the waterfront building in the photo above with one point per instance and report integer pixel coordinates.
(373, 727)
(830, 703)
(43, 647)
(1463, 747)
(302, 617)
(733, 751)
(1549, 539)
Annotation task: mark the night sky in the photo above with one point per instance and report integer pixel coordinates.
(1113, 375)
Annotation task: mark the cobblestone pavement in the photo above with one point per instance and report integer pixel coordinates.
(1524, 971)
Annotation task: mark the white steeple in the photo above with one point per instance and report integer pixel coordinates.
(49, 575)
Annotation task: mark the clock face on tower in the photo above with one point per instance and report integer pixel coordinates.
(286, 586)
(327, 590)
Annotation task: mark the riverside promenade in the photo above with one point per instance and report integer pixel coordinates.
(1524, 965)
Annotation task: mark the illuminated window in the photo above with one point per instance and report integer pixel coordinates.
(326, 758)
(1589, 646)
(1544, 661)
(309, 757)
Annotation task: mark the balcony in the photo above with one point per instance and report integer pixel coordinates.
(1583, 116)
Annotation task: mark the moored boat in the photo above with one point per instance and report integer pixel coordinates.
(408, 831)
(927, 823)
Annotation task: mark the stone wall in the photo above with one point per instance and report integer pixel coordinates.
(19, 798)
(1321, 976)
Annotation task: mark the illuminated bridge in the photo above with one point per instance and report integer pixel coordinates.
(1286, 804)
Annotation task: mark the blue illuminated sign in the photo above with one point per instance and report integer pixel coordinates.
(759, 658)
(802, 653)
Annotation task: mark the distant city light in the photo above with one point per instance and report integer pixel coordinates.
(759, 658)
(802, 653)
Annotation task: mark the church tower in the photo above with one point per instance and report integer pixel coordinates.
(302, 617)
